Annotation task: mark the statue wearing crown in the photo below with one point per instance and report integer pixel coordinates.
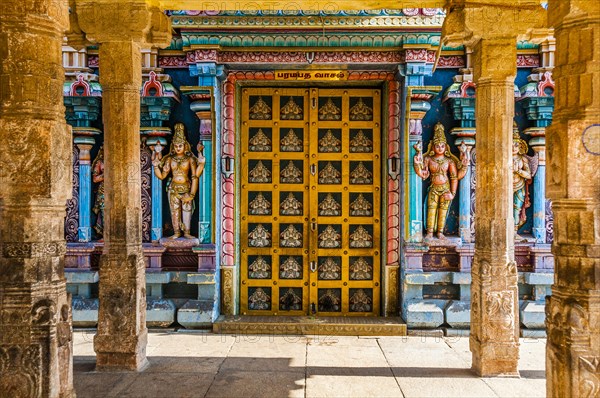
(524, 168)
(445, 170)
(186, 169)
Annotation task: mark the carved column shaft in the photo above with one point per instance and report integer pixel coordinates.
(573, 150)
(122, 334)
(35, 320)
(494, 306)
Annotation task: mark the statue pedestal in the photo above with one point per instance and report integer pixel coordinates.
(179, 243)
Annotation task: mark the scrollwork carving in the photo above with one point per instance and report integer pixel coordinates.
(72, 218)
(20, 371)
(146, 174)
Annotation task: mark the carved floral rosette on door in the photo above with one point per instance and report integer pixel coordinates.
(310, 223)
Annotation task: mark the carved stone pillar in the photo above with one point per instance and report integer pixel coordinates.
(492, 34)
(121, 338)
(573, 151)
(494, 337)
(35, 181)
(122, 335)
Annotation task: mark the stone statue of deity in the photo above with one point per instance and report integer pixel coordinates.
(524, 168)
(445, 170)
(182, 187)
(98, 178)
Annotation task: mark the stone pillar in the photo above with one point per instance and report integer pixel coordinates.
(573, 310)
(494, 337)
(491, 31)
(120, 342)
(121, 338)
(35, 182)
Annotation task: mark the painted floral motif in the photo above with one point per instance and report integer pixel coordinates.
(259, 269)
(260, 142)
(330, 175)
(291, 111)
(259, 300)
(330, 143)
(330, 207)
(259, 173)
(329, 238)
(259, 237)
(259, 205)
(291, 174)
(361, 238)
(360, 302)
(290, 269)
(291, 142)
(361, 207)
(330, 111)
(291, 237)
(361, 175)
(361, 111)
(330, 270)
(361, 270)
(361, 143)
(291, 206)
(260, 110)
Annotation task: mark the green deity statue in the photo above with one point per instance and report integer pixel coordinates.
(524, 168)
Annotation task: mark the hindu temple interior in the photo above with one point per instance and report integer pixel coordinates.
(359, 168)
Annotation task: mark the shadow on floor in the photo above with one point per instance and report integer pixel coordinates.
(168, 376)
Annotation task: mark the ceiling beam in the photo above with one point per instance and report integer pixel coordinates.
(292, 5)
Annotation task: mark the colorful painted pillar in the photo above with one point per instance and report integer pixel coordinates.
(538, 101)
(205, 103)
(157, 101)
(461, 98)
(82, 101)
(419, 64)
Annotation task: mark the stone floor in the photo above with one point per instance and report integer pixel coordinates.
(184, 364)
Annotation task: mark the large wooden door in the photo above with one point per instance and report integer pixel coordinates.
(310, 222)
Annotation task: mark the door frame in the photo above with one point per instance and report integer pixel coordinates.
(230, 189)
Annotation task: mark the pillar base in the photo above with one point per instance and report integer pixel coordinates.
(122, 352)
(495, 359)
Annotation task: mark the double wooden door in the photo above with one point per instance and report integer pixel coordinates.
(311, 219)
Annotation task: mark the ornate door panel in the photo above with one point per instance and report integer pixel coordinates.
(310, 222)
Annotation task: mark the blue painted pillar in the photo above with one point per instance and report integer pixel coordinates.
(206, 101)
(204, 223)
(537, 97)
(415, 184)
(538, 144)
(465, 135)
(417, 102)
(156, 230)
(84, 231)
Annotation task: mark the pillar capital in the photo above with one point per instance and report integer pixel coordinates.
(469, 21)
(103, 21)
